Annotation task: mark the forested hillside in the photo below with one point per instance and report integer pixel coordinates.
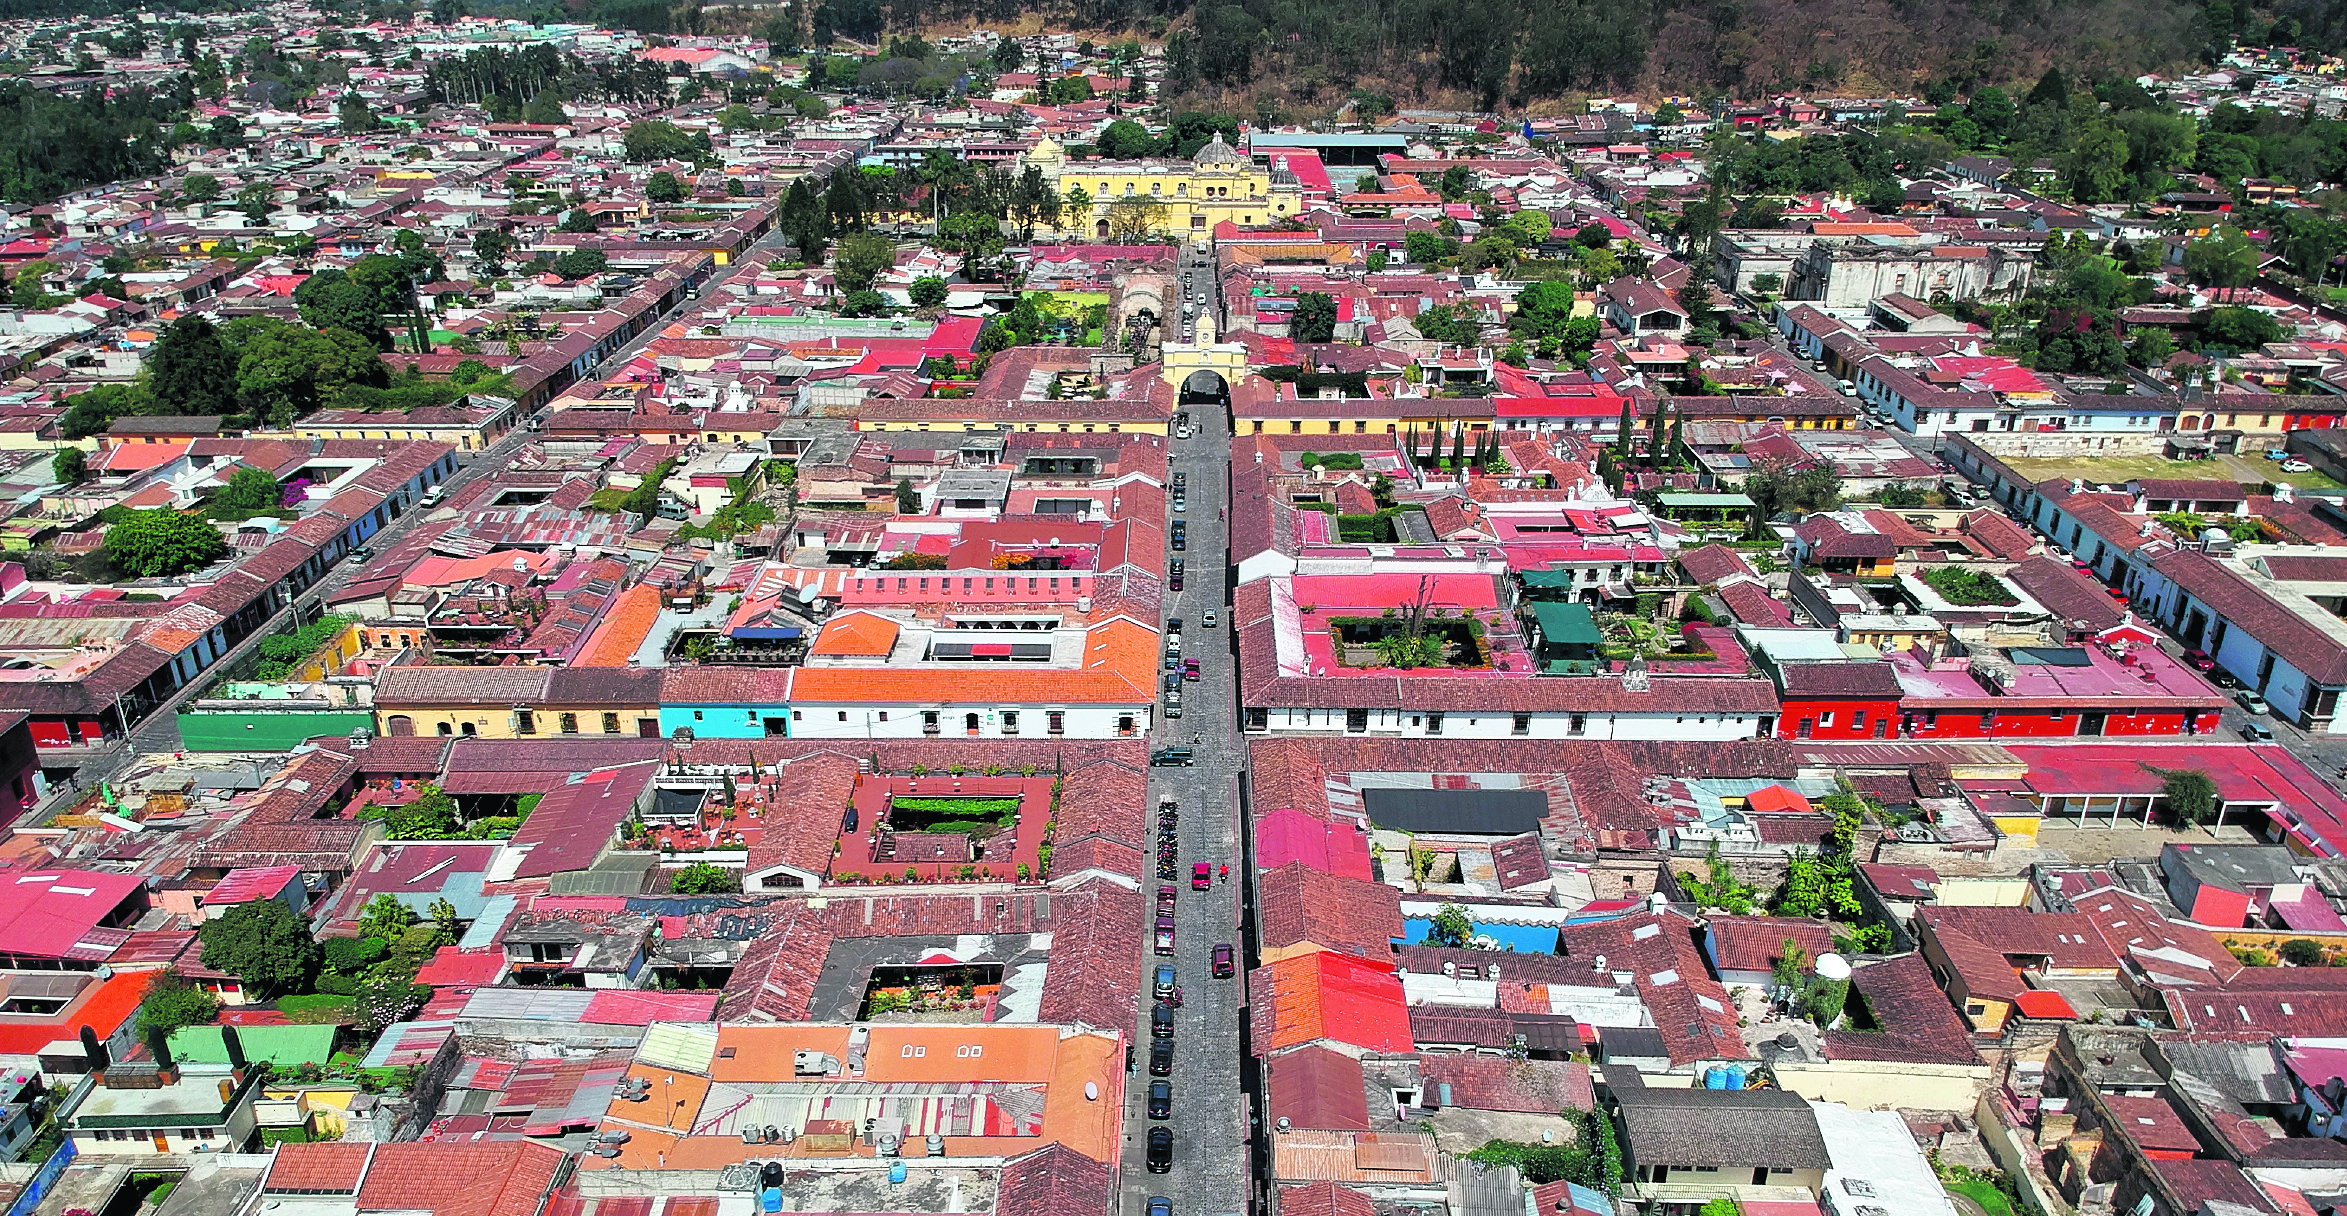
(1315, 53)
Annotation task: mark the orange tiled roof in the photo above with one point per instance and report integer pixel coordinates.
(624, 628)
(1119, 668)
(858, 633)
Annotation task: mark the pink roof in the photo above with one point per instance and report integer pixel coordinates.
(1287, 835)
(453, 968)
(1338, 591)
(245, 886)
(630, 1007)
(55, 913)
(954, 336)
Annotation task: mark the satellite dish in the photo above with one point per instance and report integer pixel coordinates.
(1832, 967)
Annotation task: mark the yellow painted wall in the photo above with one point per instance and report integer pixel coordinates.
(327, 661)
(499, 722)
(1982, 892)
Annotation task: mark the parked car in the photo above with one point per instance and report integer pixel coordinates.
(1161, 1101)
(1223, 965)
(1173, 757)
(1160, 1150)
(1190, 670)
(1207, 621)
(1159, 1205)
(1160, 1057)
(2252, 702)
(2257, 732)
(2223, 679)
(2199, 661)
(1162, 985)
(2297, 466)
(1161, 1021)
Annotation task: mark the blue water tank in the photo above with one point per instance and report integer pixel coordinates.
(1735, 1076)
(1715, 1077)
(770, 1200)
(896, 1171)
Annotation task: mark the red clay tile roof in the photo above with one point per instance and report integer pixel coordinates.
(1054, 1181)
(1324, 1199)
(458, 1179)
(1480, 1082)
(333, 1168)
(1300, 904)
(1318, 1089)
(1328, 996)
(1754, 943)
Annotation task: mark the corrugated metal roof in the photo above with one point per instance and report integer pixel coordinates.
(484, 930)
(679, 1045)
(529, 1004)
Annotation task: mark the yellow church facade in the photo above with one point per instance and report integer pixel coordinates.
(1194, 195)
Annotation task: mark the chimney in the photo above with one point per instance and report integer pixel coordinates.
(95, 1052)
(228, 1090)
(235, 1048)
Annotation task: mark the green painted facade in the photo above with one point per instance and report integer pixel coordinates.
(265, 730)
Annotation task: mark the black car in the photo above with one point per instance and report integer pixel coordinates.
(1160, 1150)
(1177, 756)
(1160, 1057)
(1181, 536)
(1161, 1021)
(1161, 1099)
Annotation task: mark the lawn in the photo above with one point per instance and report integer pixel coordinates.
(1990, 1199)
(317, 1010)
(2119, 470)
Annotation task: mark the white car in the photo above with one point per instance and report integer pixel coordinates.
(2297, 466)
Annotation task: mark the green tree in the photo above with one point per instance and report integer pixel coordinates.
(432, 815)
(162, 542)
(447, 924)
(29, 288)
(654, 139)
(356, 118)
(1314, 319)
(2095, 166)
(1125, 139)
(173, 1002)
(1450, 927)
(908, 499)
(2240, 329)
(701, 878)
(2191, 794)
(972, 233)
(249, 489)
(860, 260)
(577, 221)
(928, 291)
(2302, 952)
(69, 466)
(284, 371)
(865, 303)
(578, 264)
(199, 187)
(384, 918)
(1135, 219)
(264, 943)
(663, 187)
(330, 300)
(2224, 259)
(191, 370)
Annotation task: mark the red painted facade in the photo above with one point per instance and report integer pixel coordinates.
(1835, 718)
(66, 732)
(1921, 721)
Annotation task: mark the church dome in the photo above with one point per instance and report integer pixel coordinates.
(1217, 152)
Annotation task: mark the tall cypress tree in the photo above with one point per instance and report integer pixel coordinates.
(1622, 434)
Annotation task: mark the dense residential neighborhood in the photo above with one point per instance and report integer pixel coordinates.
(583, 608)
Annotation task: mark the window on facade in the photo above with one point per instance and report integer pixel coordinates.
(1576, 725)
(611, 724)
(570, 724)
(525, 722)
(1523, 725)
(1056, 719)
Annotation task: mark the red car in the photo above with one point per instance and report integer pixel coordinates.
(2199, 661)
(1201, 876)
(1223, 968)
